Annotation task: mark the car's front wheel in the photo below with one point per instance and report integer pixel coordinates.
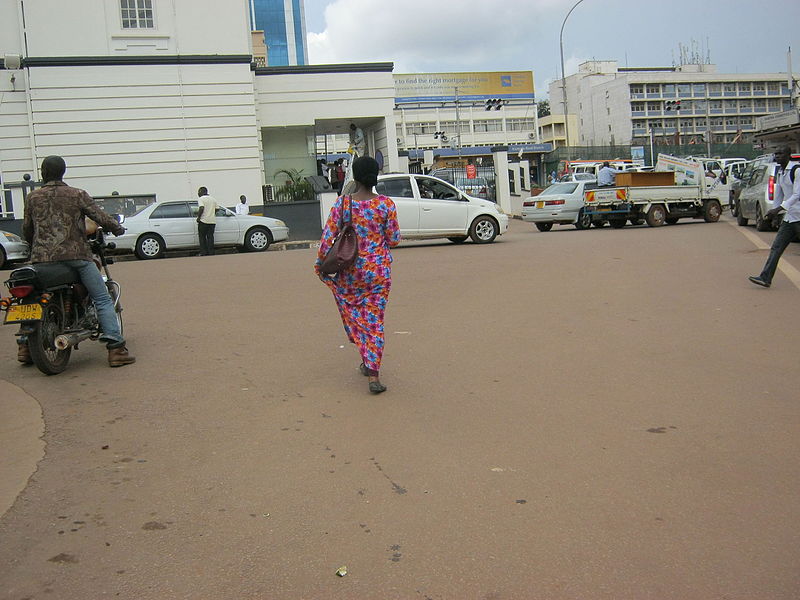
(150, 245)
(257, 239)
(762, 223)
(2, 258)
(483, 230)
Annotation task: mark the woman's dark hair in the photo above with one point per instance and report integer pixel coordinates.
(365, 170)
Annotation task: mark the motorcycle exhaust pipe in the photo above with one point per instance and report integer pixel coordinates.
(67, 340)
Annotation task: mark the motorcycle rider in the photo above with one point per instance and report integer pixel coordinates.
(54, 226)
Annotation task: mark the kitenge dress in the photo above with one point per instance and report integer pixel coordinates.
(361, 292)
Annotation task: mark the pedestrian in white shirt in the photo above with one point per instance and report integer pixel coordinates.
(206, 221)
(242, 208)
(787, 197)
(606, 176)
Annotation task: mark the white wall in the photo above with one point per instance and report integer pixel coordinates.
(95, 28)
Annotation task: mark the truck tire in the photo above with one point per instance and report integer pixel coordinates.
(711, 211)
(656, 216)
(637, 221)
(671, 220)
(617, 223)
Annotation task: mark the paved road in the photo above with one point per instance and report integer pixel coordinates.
(607, 414)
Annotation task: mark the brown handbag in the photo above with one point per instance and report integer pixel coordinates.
(344, 251)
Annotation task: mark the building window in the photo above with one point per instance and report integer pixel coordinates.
(746, 105)
(759, 104)
(716, 122)
(654, 106)
(656, 124)
(773, 105)
(637, 89)
(759, 86)
(484, 125)
(699, 89)
(684, 90)
(744, 88)
(519, 124)
(714, 89)
(450, 127)
(669, 90)
(421, 128)
(653, 88)
(729, 87)
(637, 106)
(773, 87)
(137, 14)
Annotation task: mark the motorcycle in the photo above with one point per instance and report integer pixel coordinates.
(53, 308)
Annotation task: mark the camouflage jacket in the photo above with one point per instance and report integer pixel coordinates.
(55, 225)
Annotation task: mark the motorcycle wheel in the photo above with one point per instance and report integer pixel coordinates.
(41, 342)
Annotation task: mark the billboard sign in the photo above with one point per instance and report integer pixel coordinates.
(441, 87)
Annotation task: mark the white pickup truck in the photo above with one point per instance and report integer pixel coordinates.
(656, 204)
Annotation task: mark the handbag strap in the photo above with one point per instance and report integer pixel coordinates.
(341, 216)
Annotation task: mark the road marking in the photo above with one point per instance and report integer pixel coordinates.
(784, 267)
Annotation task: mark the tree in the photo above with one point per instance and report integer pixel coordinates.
(543, 108)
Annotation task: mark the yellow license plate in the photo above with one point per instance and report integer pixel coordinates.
(540, 204)
(23, 312)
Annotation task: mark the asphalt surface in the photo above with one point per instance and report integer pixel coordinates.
(603, 414)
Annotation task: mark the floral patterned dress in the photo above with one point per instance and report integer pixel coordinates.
(361, 292)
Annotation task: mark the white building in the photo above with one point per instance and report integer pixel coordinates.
(160, 98)
(619, 105)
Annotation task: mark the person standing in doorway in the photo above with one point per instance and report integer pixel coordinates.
(339, 175)
(206, 221)
(242, 208)
(787, 197)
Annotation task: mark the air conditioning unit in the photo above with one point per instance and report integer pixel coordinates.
(399, 141)
(531, 136)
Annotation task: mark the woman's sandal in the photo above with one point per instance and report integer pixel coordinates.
(376, 387)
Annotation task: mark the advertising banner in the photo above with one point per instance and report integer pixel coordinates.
(441, 87)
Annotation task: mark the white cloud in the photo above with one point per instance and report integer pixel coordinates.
(426, 35)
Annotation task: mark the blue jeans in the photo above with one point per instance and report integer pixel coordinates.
(93, 280)
(786, 233)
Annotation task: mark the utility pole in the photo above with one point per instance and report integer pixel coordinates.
(458, 127)
(564, 81)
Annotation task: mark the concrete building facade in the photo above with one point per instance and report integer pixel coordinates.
(168, 102)
(619, 106)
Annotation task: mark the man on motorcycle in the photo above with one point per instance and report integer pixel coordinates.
(54, 226)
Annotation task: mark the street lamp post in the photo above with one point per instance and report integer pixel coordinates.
(458, 127)
(564, 81)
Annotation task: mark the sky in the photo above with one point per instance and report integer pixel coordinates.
(419, 36)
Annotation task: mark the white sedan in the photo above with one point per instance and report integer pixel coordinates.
(560, 203)
(172, 225)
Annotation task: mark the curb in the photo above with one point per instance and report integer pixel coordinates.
(298, 245)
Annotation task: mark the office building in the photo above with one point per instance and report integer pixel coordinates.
(620, 106)
(284, 25)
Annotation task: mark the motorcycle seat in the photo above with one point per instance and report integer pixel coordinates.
(46, 275)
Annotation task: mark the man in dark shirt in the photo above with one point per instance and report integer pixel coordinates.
(55, 227)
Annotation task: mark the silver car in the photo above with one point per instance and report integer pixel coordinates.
(12, 249)
(755, 195)
(560, 203)
(172, 225)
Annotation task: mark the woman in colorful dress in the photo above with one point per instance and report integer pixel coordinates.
(362, 290)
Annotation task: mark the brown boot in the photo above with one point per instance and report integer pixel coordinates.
(119, 357)
(24, 354)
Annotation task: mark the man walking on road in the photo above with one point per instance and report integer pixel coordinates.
(787, 197)
(206, 221)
